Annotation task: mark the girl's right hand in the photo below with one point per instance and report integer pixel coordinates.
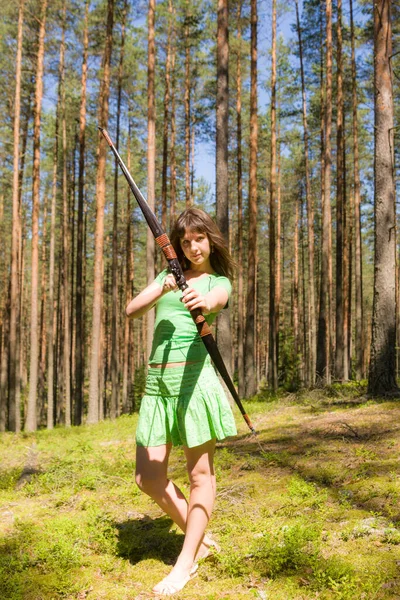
(169, 284)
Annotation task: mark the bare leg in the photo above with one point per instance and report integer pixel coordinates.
(151, 477)
(202, 496)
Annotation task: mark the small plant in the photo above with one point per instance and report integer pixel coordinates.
(305, 492)
(102, 531)
(337, 575)
(8, 479)
(292, 547)
(391, 536)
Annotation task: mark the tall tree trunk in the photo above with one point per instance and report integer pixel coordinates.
(128, 349)
(295, 303)
(42, 334)
(382, 366)
(5, 327)
(94, 396)
(324, 323)
(4, 348)
(105, 347)
(240, 328)
(310, 219)
(279, 249)
(167, 94)
(151, 156)
(192, 151)
(222, 181)
(250, 343)
(172, 11)
(59, 334)
(72, 295)
(21, 375)
(80, 257)
(273, 266)
(187, 104)
(339, 346)
(346, 266)
(359, 324)
(304, 358)
(31, 418)
(66, 235)
(51, 312)
(114, 408)
(14, 410)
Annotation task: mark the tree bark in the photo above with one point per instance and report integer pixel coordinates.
(240, 326)
(359, 317)
(222, 180)
(250, 343)
(114, 408)
(128, 349)
(310, 220)
(187, 105)
(341, 346)
(42, 329)
(51, 313)
(173, 183)
(5, 328)
(167, 96)
(31, 418)
(295, 302)
(151, 156)
(382, 366)
(80, 257)
(273, 266)
(324, 323)
(66, 237)
(14, 410)
(94, 394)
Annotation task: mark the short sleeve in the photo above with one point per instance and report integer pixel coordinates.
(161, 276)
(222, 281)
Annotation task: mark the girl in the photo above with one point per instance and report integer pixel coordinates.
(184, 403)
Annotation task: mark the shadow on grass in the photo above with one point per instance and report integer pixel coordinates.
(146, 538)
(342, 452)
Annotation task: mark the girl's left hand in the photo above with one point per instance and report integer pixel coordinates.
(193, 299)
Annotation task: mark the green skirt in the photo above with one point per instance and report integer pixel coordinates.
(185, 405)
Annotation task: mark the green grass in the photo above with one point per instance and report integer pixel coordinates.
(308, 510)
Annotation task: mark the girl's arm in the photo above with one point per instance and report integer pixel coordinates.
(147, 298)
(212, 302)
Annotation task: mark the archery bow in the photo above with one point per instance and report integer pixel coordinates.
(163, 241)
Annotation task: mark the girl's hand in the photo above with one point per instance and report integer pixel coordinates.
(169, 284)
(193, 299)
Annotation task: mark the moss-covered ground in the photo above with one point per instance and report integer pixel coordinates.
(308, 510)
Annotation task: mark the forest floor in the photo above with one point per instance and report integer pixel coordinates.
(309, 510)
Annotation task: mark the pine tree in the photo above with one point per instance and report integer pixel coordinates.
(382, 367)
(31, 417)
(250, 340)
(94, 410)
(14, 409)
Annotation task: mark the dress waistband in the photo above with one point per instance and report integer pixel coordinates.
(178, 380)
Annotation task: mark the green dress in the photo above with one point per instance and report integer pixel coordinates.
(184, 404)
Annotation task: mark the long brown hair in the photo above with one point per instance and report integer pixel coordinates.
(194, 219)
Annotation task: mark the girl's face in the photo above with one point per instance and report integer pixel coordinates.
(196, 248)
